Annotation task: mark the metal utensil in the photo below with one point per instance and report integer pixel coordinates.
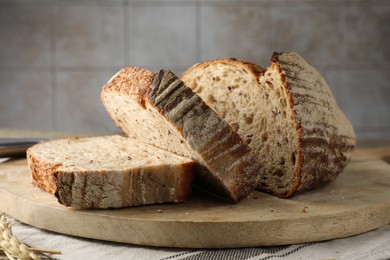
(17, 146)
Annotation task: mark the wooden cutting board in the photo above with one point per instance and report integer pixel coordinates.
(356, 202)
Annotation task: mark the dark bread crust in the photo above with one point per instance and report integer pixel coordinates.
(187, 174)
(183, 173)
(168, 182)
(44, 174)
(325, 149)
(209, 136)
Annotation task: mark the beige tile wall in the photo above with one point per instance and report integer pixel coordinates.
(56, 55)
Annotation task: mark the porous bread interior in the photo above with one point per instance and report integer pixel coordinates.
(105, 153)
(261, 115)
(282, 145)
(145, 123)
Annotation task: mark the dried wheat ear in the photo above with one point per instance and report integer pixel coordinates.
(13, 248)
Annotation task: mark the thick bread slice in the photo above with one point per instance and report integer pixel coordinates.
(287, 114)
(109, 172)
(167, 114)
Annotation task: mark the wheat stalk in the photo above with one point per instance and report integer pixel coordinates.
(12, 247)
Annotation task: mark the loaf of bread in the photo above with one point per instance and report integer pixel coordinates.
(160, 110)
(109, 172)
(286, 114)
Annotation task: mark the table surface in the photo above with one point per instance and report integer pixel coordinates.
(371, 245)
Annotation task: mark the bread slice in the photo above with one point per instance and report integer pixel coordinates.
(162, 111)
(286, 114)
(109, 172)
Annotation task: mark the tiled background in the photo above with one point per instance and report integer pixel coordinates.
(56, 55)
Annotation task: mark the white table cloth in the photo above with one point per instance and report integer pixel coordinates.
(371, 245)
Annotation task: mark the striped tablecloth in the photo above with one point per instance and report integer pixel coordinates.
(371, 245)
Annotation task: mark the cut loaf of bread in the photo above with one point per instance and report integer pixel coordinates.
(109, 172)
(160, 110)
(286, 114)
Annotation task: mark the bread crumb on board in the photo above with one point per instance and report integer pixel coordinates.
(253, 196)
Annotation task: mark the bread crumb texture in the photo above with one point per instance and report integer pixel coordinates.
(169, 115)
(109, 171)
(285, 113)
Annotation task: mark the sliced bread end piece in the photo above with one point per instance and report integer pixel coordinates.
(326, 138)
(109, 172)
(286, 114)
